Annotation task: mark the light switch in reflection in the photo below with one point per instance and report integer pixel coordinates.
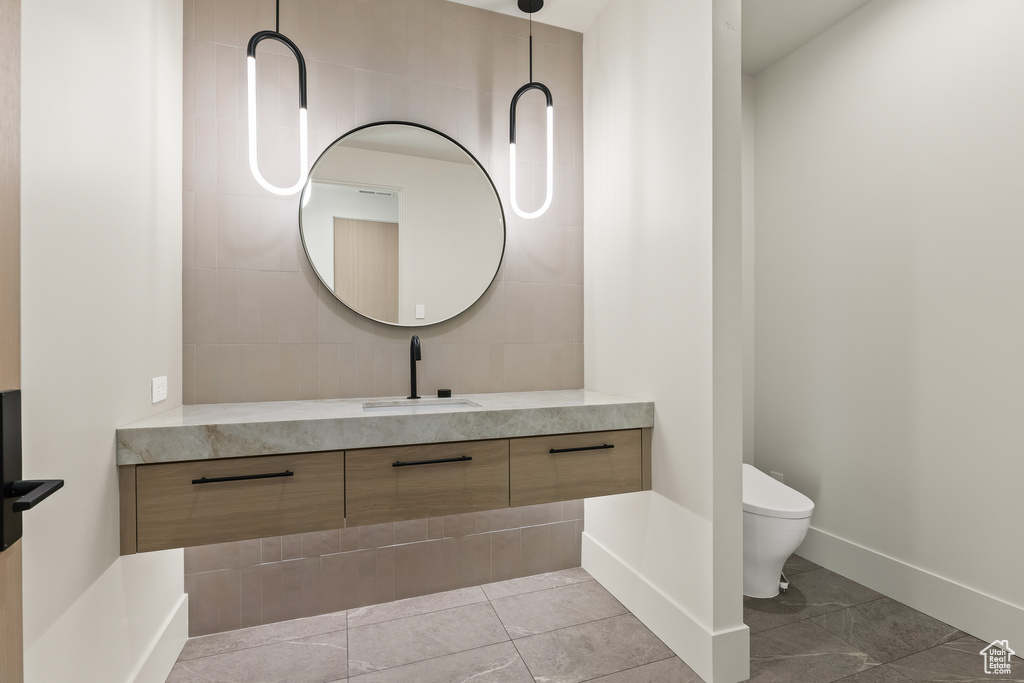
(421, 311)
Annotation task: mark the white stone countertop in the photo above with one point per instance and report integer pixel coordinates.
(231, 430)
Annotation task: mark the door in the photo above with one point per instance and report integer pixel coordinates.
(366, 267)
(11, 642)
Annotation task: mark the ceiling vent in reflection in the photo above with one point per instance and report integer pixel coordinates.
(531, 6)
(251, 72)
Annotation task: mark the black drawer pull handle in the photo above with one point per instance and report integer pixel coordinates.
(582, 448)
(244, 477)
(430, 462)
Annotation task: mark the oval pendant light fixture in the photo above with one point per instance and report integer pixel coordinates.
(303, 134)
(531, 6)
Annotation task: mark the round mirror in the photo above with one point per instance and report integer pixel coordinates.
(402, 223)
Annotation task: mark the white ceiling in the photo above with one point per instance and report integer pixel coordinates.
(771, 28)
(774, 28)
(409, 141)
(574, 15)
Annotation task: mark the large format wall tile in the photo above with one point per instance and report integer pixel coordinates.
(249, 583)
(257, 323)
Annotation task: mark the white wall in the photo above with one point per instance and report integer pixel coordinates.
(662, 313)
(442, 234)
(101, 315)
(748, 191)
(890, 318)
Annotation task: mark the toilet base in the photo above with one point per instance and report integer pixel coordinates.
(763, 590)
(767, 544)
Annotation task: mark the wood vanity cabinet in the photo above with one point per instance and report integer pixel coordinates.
(197, 502)
(188, 503)
(413, 482)
(546, 469)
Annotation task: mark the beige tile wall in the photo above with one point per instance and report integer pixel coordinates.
(248, 583)
(258, 325)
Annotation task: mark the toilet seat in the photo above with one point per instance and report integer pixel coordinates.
(766, 496)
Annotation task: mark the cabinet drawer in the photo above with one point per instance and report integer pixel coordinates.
(174, 512)
(581, 466)
(474, 478)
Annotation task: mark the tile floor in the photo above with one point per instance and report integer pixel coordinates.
(828, 628)
(564, 627)
(561, 626)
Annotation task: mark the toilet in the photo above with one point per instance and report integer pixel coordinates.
(775, 521)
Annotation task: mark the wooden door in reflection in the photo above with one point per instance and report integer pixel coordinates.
(366, 267)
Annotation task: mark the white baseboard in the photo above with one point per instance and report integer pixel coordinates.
(722, 657)
(164, 650)
(970, 610)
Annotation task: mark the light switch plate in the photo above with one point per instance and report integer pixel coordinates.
(421, 311)
(159, 389)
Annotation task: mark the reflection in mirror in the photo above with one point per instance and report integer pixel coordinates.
(402, 224)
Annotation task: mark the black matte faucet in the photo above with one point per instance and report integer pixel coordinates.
(414, 355)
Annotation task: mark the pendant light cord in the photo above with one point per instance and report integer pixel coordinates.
(277, 22)
(530, 47)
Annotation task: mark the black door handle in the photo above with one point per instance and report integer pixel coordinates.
(31, 492)
(16, 494)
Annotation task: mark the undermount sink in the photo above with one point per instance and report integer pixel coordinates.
(410, 406)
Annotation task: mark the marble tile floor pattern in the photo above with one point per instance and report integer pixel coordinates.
(561, 626)
(828, 628)
(564, 627)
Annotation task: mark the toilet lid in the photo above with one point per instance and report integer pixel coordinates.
(764, 495)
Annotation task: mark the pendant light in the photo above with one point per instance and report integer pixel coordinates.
(250, 59)
(531, 6)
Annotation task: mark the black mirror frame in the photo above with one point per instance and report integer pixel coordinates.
(497, 197)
